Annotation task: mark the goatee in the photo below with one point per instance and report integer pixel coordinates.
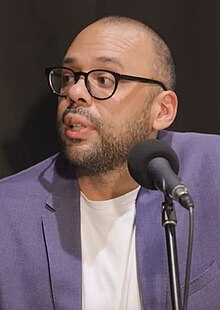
(112, 146)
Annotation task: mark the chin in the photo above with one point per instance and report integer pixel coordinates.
(76, 149)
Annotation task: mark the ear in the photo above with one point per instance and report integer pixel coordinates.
(164, 109)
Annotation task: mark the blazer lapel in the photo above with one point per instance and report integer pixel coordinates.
(151, 251)
(61, 228)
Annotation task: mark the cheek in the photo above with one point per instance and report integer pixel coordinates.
(61, 107)
(129, 99)
(116, 121)
(116, 109)
(111, 116)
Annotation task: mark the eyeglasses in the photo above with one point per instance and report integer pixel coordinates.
(101, 84)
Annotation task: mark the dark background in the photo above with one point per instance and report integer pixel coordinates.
(36, 34)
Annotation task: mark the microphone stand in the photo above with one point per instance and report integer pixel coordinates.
(169, 222)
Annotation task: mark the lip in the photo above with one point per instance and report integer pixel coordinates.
(86, 126)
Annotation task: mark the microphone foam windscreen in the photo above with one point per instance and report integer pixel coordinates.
(142, 153)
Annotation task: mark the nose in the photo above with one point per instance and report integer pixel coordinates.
(78, 94)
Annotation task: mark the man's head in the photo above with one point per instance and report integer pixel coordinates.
(98, 134)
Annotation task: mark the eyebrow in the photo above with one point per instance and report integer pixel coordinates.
(104, 59)
(68, 61)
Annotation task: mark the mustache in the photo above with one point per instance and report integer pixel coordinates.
(83, 112)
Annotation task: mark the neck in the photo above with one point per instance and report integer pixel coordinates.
(108, 185)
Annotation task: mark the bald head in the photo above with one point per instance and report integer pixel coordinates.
(163, 68)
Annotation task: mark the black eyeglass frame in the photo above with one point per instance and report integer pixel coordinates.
(117, 77)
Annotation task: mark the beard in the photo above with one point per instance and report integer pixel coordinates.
(113, 146)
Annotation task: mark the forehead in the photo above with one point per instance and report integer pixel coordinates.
(117, 47)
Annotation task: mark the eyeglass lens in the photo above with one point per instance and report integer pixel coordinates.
(100, 84)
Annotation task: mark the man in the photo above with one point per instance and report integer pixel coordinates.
(77, 232)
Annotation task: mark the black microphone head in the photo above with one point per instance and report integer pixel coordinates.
(142, 153)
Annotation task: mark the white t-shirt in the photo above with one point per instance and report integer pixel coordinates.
(108, 254)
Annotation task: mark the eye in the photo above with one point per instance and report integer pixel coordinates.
(102, 79)
(67, 78)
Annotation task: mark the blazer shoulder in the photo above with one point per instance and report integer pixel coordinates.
(192, 142)
(30, 172)
(29, 178)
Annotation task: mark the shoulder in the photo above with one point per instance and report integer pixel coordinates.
(186, 140)
(191, 146)
(31, 172)
(198, 157)
(28, 179)
(50, 175)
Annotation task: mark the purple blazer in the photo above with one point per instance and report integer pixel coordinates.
(40, 249)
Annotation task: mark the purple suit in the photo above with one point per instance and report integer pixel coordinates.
(40, 250)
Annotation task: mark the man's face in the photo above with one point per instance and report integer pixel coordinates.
(98, 134)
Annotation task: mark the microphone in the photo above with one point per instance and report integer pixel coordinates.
(155, 165)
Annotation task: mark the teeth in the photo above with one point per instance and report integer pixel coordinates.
(76, 126)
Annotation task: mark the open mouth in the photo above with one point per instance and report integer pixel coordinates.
(76, 127)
